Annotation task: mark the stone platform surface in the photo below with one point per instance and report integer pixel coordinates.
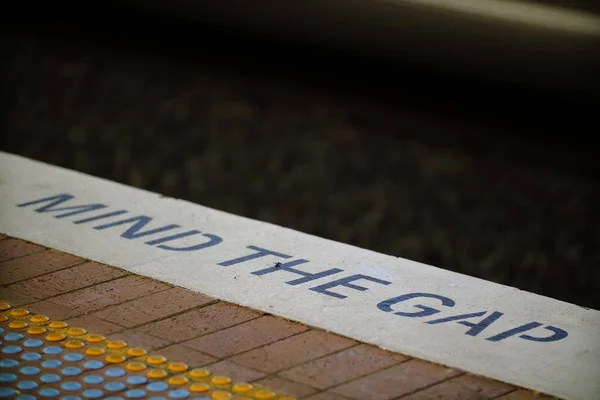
(75, 329)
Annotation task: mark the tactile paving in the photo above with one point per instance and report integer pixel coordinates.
(41, 358)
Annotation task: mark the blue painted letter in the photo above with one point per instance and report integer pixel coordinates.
(289, 267)
(61, 198)
(260, 252)
(213, 241)
(346, 283)
(386, 305)
(138, 223)
(476, 328)
(558, 333)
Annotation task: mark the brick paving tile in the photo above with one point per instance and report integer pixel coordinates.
(467, 387)
(199, 321)
(524, 394)
(288, 387)
(69, 279)
(234, 371)
(153, 307)
(94, 324)
(108, 293)
(15, 297)
(326, 396)
(396, 381)
(178, 352)
(229, 340)
(15, 248)
(342, 367)
(293, 350)
(246, 336)
(53, 310)
(136, 338)
(33, 265)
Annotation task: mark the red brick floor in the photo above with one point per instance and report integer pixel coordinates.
(268, 352)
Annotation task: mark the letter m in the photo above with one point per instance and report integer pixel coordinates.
(54, 204)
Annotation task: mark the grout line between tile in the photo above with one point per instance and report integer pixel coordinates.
(429, 386)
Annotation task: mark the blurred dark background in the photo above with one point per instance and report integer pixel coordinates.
(484, 177)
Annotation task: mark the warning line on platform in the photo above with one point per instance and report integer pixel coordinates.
(397, 304)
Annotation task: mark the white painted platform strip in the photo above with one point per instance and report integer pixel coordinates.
(397, 304)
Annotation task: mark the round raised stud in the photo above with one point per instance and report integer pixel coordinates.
(4, 305)
(220, 380)
(58, 325)
(74, 344)
(95, 351)
(179, 394)
(95, 338)
(242, 387)
(157, 374)
(178, 380)
(36, 330)
(157, 387)
(156, 360)
(49, 392)
(93, 364)
(55, 337)
(135, 366)
(264, 394)
(115, 358)
(38, 319)
(116, 344)
(177, 367)
(115, 372)
(18, 324)
(76, 331)
(19, 312)
(11, 349)
(200, 387)
(221, 395)
(136, 352)
(199, 373)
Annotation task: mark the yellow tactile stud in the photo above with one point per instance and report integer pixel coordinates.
(135, 366)
(177, 367)
(221, 395)
(38, 319)
(199, 373)
(116, 344)
(37, 330)
(136, 352)
(286, 398)
(3, 317)
(242, 387)
(95, 338)
(95, 351)
(4, 305)
(76, 331)
(156, 360)
(19, 312)
(115, 358)
(55, 337)
(178, 380)
(18, 324)
(199, 387)
(220, 380)
(74, 344)
(58, 325)
(157, 374)
(264, 394)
